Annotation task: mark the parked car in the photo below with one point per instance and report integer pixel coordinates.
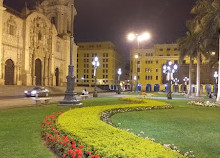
(37, 92)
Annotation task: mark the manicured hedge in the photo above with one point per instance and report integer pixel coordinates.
(85, 125)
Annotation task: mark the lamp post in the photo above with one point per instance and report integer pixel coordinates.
(119, 74)
(95, 64)
(140, 38)
(216, 81)
(186, 79)
(69, 98)
(176, 88)
(216, 77)
(169, 69)
(136, 57)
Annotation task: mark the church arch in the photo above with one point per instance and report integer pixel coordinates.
(9, 72)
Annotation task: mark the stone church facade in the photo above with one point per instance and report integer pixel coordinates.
(35, 44)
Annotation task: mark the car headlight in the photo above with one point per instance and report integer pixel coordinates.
(33, 92)
(25, 91)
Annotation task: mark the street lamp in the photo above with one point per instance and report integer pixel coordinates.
(143, 37)
(216, 77)
(186, 79)
(119, 74)
(95, 64)
(169, 69)
(136, 57)
(216, 81)
(140, 38)
(69, 98)
(176, 88)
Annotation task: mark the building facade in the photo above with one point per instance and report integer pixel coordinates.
(35, 44)
(147, 73)
(109, 59)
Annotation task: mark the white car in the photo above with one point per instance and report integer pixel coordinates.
(37, 92)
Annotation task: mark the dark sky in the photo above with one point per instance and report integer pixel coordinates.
(112, 20)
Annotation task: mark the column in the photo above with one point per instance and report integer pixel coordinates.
(1, 49)
(46, 69)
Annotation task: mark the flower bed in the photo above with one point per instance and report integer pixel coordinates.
(85, 125)
(61, 144)
(204, 103)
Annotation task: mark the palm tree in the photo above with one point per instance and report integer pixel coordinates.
(208, 15)
(188, 47)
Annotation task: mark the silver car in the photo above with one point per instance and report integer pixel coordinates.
(37, 92)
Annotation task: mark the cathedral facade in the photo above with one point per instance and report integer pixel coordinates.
(35, 44)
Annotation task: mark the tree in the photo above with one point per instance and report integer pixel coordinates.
(208, 14)
(188, 47)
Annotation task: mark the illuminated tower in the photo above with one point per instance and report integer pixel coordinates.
(59, 13)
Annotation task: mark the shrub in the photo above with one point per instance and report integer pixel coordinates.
(59, 142)
(107, 141)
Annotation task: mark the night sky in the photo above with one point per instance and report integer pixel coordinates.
(112, 20)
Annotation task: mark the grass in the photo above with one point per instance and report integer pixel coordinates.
(20, 129)
(188, 127)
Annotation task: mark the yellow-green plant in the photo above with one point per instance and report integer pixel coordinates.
(107, 141)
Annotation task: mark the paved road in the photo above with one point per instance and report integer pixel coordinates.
(19, 101)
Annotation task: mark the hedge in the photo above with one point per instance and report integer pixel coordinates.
(107, 141)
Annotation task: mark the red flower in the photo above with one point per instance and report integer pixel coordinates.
(54, 139)
(60, 142)
(70, 152)
(64, 155)
(81, 146)
(64, 145)
(89, 152)
(42, 126)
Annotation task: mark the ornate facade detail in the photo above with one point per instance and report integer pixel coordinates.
(35, 44)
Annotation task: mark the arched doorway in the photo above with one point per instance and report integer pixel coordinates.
(156, 88)
(38, 73)
(57, 76)
(9, 72)
(148, 88)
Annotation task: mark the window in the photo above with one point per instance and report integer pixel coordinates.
(148, 62)
(156, 70)
(175, 54)
(84, 70)
(168, 54)
(87, 70)
(106, 60)
(138, 69)
(145, 77)
(103, 76)
(106, 71)
(103, 60)
(138, 62)
(106, 65)
(103, 65)
(106, 76)
(156, 61)
(106, 54)
(103, 71)
(87, 54)
(168, 49)
(151, 62)
(156, 77)
(103, 54)
(175, 49)
(87, 60)
(84, 60)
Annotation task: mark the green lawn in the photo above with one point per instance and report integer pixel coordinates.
(188, 127)
(20, 129)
